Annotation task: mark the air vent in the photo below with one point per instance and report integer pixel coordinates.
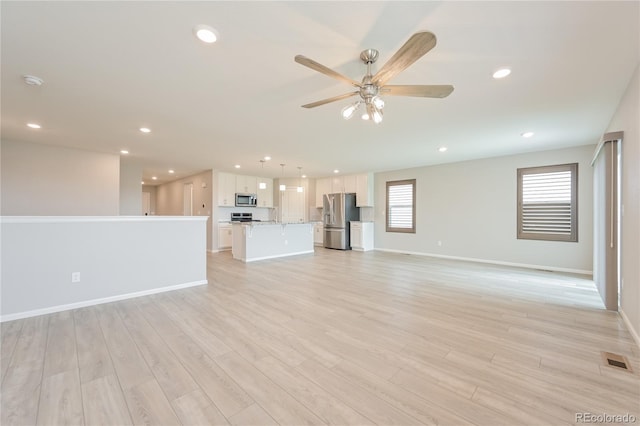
(616, 360)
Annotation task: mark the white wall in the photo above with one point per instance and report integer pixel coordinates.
(130, 187)
(117, 257)
(44, 180)
(626, 120)
(170, 199)
(471, 208)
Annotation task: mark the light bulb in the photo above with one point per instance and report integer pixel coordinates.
(377, 115)
(283, 187)
(365, 116)
(378, 102)
(349, 110)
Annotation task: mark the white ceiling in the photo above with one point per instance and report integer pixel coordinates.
(112, 67)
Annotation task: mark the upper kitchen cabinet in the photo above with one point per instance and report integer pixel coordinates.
(350, 184)
(265, 192)
(364, 190)
(246, 184)
(226, 189)
(323, 186)
(337, 184)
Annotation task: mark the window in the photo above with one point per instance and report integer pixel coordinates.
(401, 206)
(548, 203)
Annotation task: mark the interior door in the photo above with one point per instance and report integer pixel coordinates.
(146, 203)
(292, 205)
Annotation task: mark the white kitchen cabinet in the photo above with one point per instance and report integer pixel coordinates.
(337, 184)
(318, 234)
(323, 186)
(226, 189)
(362, 236)
(265, 192)
(225, 236)
(364, 190)
(350, 184)
(246, 184)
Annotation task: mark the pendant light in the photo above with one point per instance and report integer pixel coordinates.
(283, 187)
(262, 185)
(300, 188)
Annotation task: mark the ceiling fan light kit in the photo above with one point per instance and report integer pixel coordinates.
(372, 86)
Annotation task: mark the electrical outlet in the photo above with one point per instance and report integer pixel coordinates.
(75, 277)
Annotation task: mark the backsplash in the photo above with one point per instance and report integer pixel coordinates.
(366, 214)
(259, 213)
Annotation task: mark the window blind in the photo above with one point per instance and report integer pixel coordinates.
(547, 203)
(401, 206)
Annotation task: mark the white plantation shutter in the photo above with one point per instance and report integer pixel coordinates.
(401, 206)
(547, 203)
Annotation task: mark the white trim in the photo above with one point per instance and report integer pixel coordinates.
(494, 262)
(277, 256)
(77, 219)
(76, 305)
(632, 331)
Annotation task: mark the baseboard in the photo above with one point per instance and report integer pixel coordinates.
(494, 262)
(85, 303)
(632, 330)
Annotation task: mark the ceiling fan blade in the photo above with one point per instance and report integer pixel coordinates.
(310, 63)
(426, 91)
(329, 100)
(417, 45)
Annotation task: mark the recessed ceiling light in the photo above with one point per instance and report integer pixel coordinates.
(336, 171)
(304, 176)
(34, 125)
(32, 80)
(205, 33)
(154, 178)
(124, 151)
(527, 134)
(501, 73)
(442, 149)
(171, 171)
(142, 182)
(267, 158)
(237, 166)
(145, 130)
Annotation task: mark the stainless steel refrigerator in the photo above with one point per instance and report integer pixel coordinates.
(338, 211)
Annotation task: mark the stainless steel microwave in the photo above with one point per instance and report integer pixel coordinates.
(246, 200)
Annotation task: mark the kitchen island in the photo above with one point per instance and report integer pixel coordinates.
(267, 240)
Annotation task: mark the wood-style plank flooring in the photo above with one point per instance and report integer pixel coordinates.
(344, 338)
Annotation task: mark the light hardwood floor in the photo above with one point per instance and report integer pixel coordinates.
(345, 338)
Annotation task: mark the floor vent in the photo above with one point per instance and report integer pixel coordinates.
(615, 360)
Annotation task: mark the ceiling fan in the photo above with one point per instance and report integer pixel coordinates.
(373, 86)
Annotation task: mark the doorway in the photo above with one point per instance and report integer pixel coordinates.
(188, 199)
(146, 203)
